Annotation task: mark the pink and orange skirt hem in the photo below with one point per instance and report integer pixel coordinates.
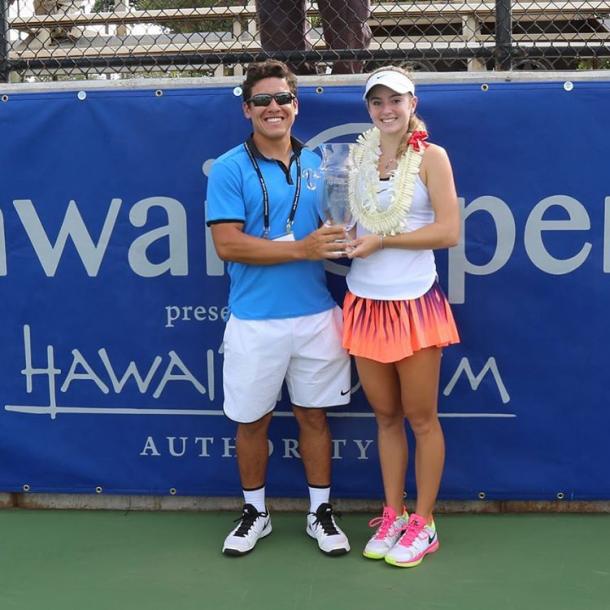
(388, 331)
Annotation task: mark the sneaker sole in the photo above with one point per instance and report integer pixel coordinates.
(412, 564)
(229, 552)
(333, 552)
(369, 555)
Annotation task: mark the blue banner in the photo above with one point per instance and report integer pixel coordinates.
(114, 301)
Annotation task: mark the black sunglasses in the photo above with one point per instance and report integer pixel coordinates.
(264, 99)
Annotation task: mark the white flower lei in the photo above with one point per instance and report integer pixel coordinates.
(364, 183)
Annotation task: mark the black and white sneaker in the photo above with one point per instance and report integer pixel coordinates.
(252, 526)
(321, 526)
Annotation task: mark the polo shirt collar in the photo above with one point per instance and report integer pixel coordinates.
(297, 147)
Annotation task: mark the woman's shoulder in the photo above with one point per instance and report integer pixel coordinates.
(434, 156)
(435, 161)
(434, 151)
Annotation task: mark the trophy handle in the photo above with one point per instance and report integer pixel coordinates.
(311, 178)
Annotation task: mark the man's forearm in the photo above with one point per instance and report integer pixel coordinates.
(232, 244)
(257, 251)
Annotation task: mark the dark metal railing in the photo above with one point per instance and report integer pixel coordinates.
(61, 39)
(4, 60)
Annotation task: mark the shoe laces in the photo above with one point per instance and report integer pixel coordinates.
(324, 517)
(414, 527)
(384, 523)
(248, 517)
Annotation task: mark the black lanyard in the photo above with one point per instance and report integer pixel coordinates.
(295, 201)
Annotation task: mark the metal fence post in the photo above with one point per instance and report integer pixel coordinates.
(4, 67)
(504, 34)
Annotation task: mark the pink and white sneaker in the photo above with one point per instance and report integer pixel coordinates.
(390, 526)
(418, 540)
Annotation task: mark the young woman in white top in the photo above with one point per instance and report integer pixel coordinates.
(397, 319)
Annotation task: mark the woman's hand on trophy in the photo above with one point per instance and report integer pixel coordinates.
(325, 242)
(364, 246)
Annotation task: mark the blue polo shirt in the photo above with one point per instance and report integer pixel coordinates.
(234, 194)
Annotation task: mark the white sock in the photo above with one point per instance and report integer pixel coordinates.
(317, 496)
(256, 497)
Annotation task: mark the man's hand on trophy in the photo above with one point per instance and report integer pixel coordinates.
(325, 242)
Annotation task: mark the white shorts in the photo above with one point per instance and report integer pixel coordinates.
(305, 351)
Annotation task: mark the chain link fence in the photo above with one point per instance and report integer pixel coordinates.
(68, 39)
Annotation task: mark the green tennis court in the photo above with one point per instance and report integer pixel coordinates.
(110, 560)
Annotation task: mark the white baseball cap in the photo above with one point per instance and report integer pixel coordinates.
(391, 79)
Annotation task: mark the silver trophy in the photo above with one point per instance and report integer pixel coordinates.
(331, 181)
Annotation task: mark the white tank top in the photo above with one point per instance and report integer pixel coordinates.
(394, 274)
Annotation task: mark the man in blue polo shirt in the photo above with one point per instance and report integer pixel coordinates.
(284, 325)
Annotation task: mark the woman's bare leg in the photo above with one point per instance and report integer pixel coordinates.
(381, 386)
(419, 379)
